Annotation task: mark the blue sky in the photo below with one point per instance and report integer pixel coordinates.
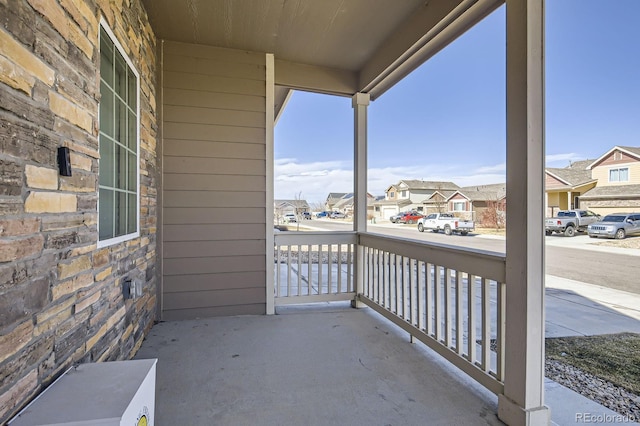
(446, 121)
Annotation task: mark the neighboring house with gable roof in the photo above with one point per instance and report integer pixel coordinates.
(618, 175)
(332, 199)
(282, 207)
(410, 194)
(564, 186)
(471, 202)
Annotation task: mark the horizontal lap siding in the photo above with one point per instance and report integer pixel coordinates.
(214, 182)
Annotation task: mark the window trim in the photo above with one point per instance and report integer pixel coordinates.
(127, 237)
(459, 202)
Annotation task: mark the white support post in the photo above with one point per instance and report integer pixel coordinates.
(523, 400)
(569, 207)
(360, 102)
(269, 142)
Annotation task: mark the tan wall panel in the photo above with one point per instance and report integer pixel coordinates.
(182, 249)
(214, 298)
(187, 314)
(207, 83)
(214, 182)
(208, 265)
(229, 56)
(213, 232)
(228, 199)
(201, 115)
(194, 98)
(218, 281)
(191, 148)
(179, 62)
(214, 166)
(191, 182)
(212, 132)
(211, 215)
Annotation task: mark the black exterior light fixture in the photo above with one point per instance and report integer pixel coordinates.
(64, 161)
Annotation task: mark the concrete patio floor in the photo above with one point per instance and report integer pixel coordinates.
(312, 365)
(329, 364)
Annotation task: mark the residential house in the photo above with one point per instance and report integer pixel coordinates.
(410, 194)
(483, 203)
(282, 207)
(617, 173)
(137, 144)
(332, 199)
(564, 186)
(345, 204)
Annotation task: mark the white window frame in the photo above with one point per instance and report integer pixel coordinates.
(618, 170)
(126, 237)
(459, 202)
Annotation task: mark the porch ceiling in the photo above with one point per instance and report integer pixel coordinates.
(331, 46)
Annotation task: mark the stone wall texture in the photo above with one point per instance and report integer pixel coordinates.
(61, 301)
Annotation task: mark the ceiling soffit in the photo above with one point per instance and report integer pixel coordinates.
(329, 46)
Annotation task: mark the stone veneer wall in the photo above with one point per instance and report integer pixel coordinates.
(60, 296)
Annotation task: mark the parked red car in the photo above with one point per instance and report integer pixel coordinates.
(410, 217)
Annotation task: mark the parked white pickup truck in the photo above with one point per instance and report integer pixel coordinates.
(446, 222)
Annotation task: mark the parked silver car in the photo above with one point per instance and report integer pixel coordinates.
(617, 225)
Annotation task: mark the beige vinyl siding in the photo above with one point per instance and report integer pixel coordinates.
(601, 173)
(214, 182)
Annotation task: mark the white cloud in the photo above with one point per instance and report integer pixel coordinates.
(562, 160)
(314, 181)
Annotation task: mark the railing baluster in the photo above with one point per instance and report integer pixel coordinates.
(429, 299)
(501, 297)
(471, 318)
(486, 325)
(413, 292)
(447, 307)
(289, 270)
(309, 269)
(299, 251)
(459, 312)
(339, 290)
(278, 270)
(420, 281)
(438, 301)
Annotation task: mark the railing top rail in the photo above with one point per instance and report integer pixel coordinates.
(321, 237)
(488, 264)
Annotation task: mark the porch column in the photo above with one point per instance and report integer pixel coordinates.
(523, 400)
(569, 200)
(360, 102)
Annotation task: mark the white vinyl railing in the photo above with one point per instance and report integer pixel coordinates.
(450, 298)
(314, 267)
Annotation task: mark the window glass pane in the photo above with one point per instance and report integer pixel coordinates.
(133, 173)
(121, 121)
(106, 162)
(133, 132)
(132, 218)
(120, 77)
(132, 95)
(613, 175)
(121, 213)
(624, 175)
(106, 58)
(106, 110)
(105, 206)
(121, 167)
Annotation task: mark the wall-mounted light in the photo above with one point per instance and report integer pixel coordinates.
(64, 161)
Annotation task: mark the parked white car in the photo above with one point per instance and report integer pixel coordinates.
(617, 225)
(290, 218)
